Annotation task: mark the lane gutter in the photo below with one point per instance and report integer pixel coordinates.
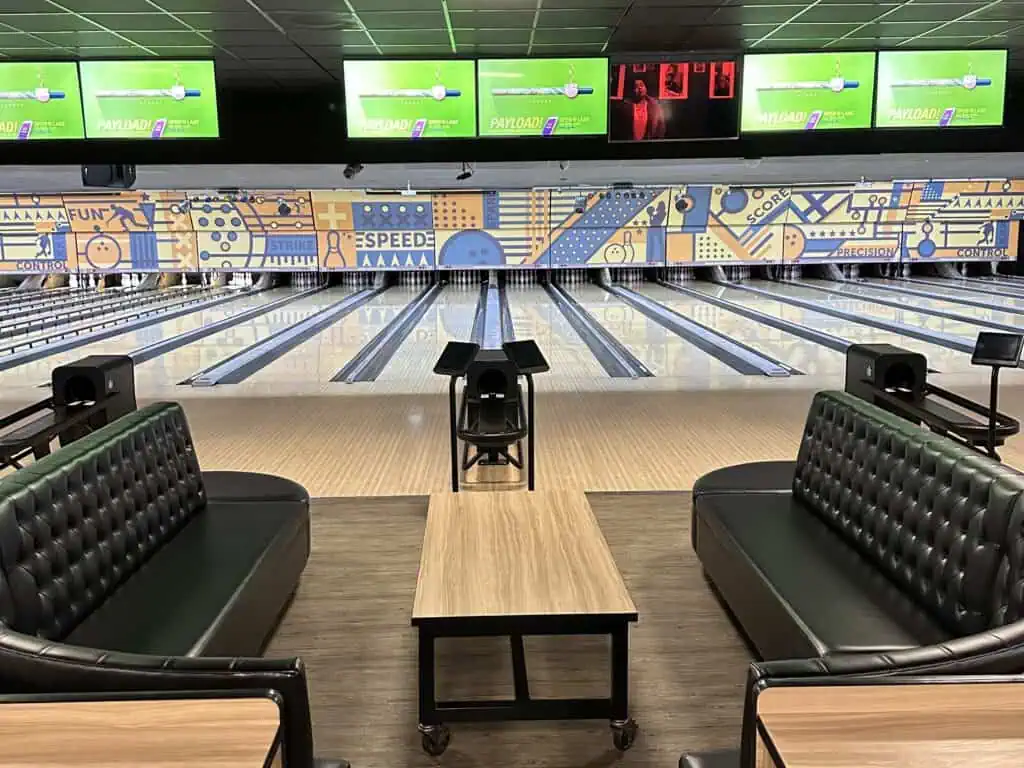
(374, 357)
(151, 351)
(909, 308)
(243, 364)
(827, 340)
(929, 337)
(146, 319)
(734, 354)
(616, 359)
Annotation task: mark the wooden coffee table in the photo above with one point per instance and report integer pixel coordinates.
(515, 564)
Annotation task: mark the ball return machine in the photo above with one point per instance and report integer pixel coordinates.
(491, 418)
(86, 396)
(896, 379)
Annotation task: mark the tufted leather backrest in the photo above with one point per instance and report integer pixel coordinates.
(932, 515)
(76, 524)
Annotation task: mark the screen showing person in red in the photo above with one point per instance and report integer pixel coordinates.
(656, 101)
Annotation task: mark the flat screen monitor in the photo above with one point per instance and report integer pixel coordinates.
(40, 101)
(807, 91)
(543, 97)
(673, 100)
(940, 89)
(1001, 350)
(410, 99)
(149, 99)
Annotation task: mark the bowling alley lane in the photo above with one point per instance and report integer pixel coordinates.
(535, 316)
(954, 290)
(156, 375)
(320, 357)
(940, 358)
(181, 363)
(805, 356)
(663, 352)
(449, 318)
(947, 304)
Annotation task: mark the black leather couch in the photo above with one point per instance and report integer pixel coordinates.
(884, 549)
(123, 567)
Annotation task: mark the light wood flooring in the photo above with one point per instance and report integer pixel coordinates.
(375, 445)
(350, 622)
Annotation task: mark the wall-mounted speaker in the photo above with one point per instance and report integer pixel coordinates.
(117, 176)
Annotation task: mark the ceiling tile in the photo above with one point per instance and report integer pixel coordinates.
(248, 37)
(166, 37)
(394, 37)
(224, 20)
(328, 37)
(491, 19)
(597, 17)
(43, 22)
(90, 38)
(857, 13)
(424, 20)
(477, 37)
(268, 52)
(571, 36)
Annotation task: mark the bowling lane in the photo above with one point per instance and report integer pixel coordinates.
(156, 372)
(322, 356)
(801, 354)
(954, 290)
(535, 316)
(664, 353)
(939, 358)
(948, 304)
(449, 318)
(183, 362)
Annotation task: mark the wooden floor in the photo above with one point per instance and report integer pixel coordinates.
(350, 622)
(394, 444)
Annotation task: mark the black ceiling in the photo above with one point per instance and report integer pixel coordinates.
(292, 42)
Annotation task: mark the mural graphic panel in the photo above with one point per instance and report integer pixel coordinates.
(135, 252)
(484, 248)
(135, 211)
(25, 214)
(353, 229)
(35, 252)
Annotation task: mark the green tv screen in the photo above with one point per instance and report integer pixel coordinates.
(410, 99)
(40, 101)
(807, 91)
(940, 89)
(153, 99)
(543, 97)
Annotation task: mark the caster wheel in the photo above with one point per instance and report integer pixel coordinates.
(435, 740)
(624, 734)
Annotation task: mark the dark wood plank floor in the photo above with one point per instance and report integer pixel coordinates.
(350, 622)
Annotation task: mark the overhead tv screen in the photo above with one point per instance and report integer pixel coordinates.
(940, 89)
(40, 101)
(151, 99)
(807, 91)
(543, 97)
(673, 100)
(410, 99)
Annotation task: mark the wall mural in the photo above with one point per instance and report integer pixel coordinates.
(289, 230)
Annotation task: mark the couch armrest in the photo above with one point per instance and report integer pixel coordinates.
(30, 664)
(998, 651)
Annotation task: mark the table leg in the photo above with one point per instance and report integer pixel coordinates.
(624, 728)
(519, 677)
(434, 735)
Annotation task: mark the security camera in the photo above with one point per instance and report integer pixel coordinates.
(352, 170)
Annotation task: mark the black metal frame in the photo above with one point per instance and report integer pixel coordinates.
(615, 707)
(35, 437)
(454, 414)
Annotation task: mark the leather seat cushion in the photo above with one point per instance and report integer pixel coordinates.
(755, 477)
(824, 597)
(719, 758)
(252, 486)
(227, 559)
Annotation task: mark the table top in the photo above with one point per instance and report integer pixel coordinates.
(520, 553)
(896, 726)
(164, 733)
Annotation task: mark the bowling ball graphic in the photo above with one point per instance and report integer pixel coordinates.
(472, 248)
(793, 242)
(102, 252)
